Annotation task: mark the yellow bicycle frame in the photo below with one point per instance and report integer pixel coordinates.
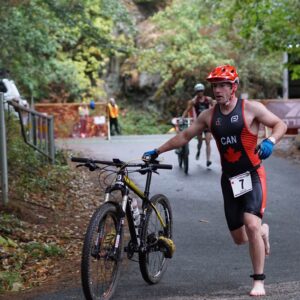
(137, 191)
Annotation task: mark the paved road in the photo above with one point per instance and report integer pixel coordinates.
(207, 265)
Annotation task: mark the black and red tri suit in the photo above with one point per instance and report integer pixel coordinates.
(199, 107)
(236, 145)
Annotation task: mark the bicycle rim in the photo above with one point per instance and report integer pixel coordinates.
(152, 262)
(100, 267)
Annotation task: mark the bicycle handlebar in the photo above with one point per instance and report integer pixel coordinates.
(162, 166)
(89, 160)
(118, 163)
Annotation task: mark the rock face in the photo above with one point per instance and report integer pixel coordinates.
(123, 77)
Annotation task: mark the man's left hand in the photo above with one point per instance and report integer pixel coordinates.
(264, 149)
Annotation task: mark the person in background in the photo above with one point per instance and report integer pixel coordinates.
(83, 111)
(195, 106)
(92, 104)
(10, 90)
(235, 125)
(113, 115)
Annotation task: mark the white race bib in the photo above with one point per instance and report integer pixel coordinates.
(241, 184)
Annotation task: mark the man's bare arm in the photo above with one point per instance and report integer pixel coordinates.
(267, 118)
(189, 107)
(185, 136)
(211, 102)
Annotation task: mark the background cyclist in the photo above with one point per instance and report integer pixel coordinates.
(195, 106)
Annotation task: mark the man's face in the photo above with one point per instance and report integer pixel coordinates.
(200, 94)
(222, 91)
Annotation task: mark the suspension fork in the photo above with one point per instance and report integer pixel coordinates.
(121, 215)
(121, 209)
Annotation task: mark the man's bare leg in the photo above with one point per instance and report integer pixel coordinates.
(257, 250)
(265, 236)
(208, 148)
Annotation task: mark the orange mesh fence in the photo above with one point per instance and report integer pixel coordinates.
(70, 123)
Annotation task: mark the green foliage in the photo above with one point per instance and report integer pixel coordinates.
(262, 31)
(41, 250)
(186, 47)
(28, 170)
(61, 45)
(194, 35)
(138, 122)
(8, 279)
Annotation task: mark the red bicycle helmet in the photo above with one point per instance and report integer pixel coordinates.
(225, 73)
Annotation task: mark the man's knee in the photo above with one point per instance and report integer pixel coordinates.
(253, 229)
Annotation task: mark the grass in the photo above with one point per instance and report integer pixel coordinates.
(41, 250)
(30, 176)
(10, 281)
(139, 122)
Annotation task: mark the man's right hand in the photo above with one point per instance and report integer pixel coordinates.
(150, 155)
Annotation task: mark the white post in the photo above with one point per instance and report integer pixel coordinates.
(285, 84)
(3, 151)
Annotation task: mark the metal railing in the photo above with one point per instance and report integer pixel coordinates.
(37, 131)
(3, 151)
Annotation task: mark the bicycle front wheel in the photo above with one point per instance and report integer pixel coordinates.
(153, 262)
(180, 159)
(100, 264)
(186, 159)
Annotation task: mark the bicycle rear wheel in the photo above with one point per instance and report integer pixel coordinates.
(100, 266)
(152, 261)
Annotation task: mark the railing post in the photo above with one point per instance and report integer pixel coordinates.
(108, 129)
(51, 144)
(285, 84)
(3, 151)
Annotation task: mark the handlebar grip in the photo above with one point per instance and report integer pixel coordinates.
(163, 166)
(80, 159)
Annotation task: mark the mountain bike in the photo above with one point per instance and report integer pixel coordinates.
(150, 230)
(184, 151)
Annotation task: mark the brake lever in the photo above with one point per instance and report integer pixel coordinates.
(80, 165)
(92, 166)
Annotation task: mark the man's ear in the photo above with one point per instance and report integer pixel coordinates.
(234, 87)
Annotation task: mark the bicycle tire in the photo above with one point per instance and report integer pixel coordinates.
(104, 221)
(186, 163)
(180, 160)
(153, 263)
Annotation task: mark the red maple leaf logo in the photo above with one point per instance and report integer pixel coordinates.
(231, 155)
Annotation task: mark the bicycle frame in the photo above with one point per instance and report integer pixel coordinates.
(123, 183)
(150, 228)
